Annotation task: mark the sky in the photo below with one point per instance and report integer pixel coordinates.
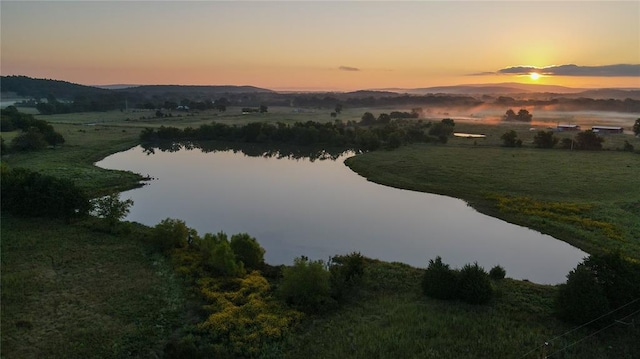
(323, 45)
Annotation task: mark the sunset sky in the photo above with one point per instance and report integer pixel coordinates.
(323, 45)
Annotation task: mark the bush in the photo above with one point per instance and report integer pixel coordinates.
(306, 285)
(31, 194)
(545, 139)
(581, 299)
(474, 286)
(346, 273)
(510, 139)
(218, 257)
(439, 281)
(111, 208)
(30, 140)
(443, 128)
(598, 284)
(497, 272)
(589, 141)
(247, 250)
(170, 233)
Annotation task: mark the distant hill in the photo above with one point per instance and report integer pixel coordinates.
(41, 88)
(191, 89)
(370, 93)
(611, 93)
(116, 86)
(489, 89)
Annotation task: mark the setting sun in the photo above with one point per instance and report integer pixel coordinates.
(534, 76)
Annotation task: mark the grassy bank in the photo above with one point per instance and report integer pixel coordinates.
(603, 185)
(84, 145)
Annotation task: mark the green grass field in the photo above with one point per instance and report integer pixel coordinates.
(70, 291)
(392, 319)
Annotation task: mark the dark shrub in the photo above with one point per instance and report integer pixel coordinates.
(600, 283)
(346, 273)
(474, 286)
(306, 285)
(589, 140)
(247, 250)
(581, 299)
(170, 233)
(545, 139)
(439, 281)
(510, 139)
(30, 140)
(31, 194)
(497, 272)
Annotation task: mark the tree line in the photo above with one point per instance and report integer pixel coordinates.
(368, 135)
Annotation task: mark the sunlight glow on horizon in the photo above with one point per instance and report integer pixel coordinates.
(314, 45)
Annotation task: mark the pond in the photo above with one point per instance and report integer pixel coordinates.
(320, 208)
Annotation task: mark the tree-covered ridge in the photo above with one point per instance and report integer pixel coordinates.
(41, 88)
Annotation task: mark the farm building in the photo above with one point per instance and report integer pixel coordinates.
(607, 129)
(568, 128)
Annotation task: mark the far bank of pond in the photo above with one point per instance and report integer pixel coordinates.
(320, 208)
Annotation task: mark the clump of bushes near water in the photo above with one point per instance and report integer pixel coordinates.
(471, 284)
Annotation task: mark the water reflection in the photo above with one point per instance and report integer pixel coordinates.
(318, 207)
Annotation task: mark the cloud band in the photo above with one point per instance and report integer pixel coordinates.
(619, 70)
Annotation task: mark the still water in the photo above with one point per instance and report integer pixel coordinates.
(321, 208)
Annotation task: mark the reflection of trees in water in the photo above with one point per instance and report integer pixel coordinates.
(311, 153)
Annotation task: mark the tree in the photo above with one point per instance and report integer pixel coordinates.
(510, 139)
(497, 272)
(545, 139)
(111, 208)
(439, 281)
(367, 119)
(247, 250)
(218, 256)
(636, 127)
(170, 233)
(442, 129)
(384, 119)
(581, 299)
(30, 140)
(338, 108)
(509, 115)
(263, 108)
(589, 140)
(524, 116)
(600, 283)
(474, 286)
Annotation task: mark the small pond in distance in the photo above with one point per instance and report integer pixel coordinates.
(321, 208)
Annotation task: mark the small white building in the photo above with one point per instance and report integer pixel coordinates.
(607, 129)
(562, 128)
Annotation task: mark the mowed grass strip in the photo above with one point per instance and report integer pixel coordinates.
(609, 181)
(69, 292)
